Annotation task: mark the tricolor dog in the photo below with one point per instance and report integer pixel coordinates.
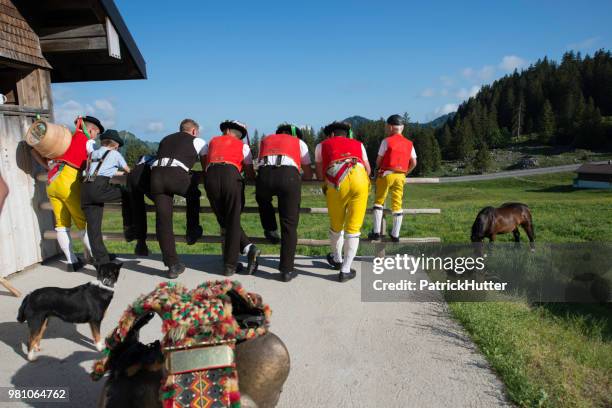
(82, 304)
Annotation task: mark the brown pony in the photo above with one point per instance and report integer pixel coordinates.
(502, 220)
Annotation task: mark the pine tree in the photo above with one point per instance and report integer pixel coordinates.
(445, 141)
(518, 120)
(464, 142)
(255, 144)
(482, 160)
(546, 125)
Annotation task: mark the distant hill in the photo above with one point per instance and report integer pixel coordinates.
(439, 121)
(357, 121)
(134, 147)
(553, 104)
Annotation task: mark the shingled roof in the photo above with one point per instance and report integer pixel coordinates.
(18, 42)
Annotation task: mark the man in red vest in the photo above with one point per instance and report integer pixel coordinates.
(396, 159)
(282, 156)
(64, 186)
(227, 156)
(343, 164)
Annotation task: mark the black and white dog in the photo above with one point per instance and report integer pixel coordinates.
(83, 304)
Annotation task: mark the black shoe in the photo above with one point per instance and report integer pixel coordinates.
(128, 233)
(229, 270)
(75, 267)
(332, 262)
(287, 276)
(272, 236)
(252, 265)
(192, 236)
(175, 270)
(141, 248)
(343, 277)
(374, 236)
(394, 239)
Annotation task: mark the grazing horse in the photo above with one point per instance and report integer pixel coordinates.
(502, 220)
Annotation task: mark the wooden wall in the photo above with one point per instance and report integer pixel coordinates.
(21, 221)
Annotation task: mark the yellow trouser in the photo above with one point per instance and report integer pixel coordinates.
(347, 205)
(65, 197)
(394, 183)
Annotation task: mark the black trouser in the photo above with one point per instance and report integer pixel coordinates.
(285, 183)
(165, 183)
(225, 190)
(133, 208)
(93, 196)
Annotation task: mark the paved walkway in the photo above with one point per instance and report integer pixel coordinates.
(344, 353)
(513, 173)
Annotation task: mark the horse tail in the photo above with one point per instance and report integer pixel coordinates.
(21, 314)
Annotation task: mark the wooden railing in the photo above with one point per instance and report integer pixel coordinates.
(117, 236)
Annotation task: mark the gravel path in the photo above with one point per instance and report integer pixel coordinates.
(344, 352)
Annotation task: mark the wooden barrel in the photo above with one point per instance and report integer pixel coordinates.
(49, 139)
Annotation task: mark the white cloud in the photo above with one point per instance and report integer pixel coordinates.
(483, 74)
(448, 108)
(444, 92)
(586, 44)
(465, 93)
(427, 93)
(468, 72)
(486, 73)
(103, 109)
(511, 62)
(446, 81)
(155, 127)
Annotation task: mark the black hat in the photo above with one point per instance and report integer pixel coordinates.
(395, 120)
(234, 124)
(290, 129)
(329, 129)
(112, 134)
(91, 120)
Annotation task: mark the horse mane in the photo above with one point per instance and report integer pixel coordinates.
(483, 221)
(511, 204)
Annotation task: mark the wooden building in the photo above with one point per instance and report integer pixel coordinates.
(42, 42)
(592, 175)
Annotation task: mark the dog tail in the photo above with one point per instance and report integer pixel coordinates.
(21, 314)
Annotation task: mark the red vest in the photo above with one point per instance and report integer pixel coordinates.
(340, 148)
(398, 154)
(76, 155)
(281, 145)
(226, 149)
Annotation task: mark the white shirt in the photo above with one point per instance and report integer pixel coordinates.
(286, 160)
(318, 157)
(246, 153)
(200, 146)
(90, 146)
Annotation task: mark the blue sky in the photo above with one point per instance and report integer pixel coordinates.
(312, 62)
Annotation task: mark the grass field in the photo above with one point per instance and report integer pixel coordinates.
(547, 355)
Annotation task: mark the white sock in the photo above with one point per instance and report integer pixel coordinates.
(397, 224)
(86, 244)
(350, 250)
(245, 250)
(377, 212)
(65, 243)
(337, 241)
